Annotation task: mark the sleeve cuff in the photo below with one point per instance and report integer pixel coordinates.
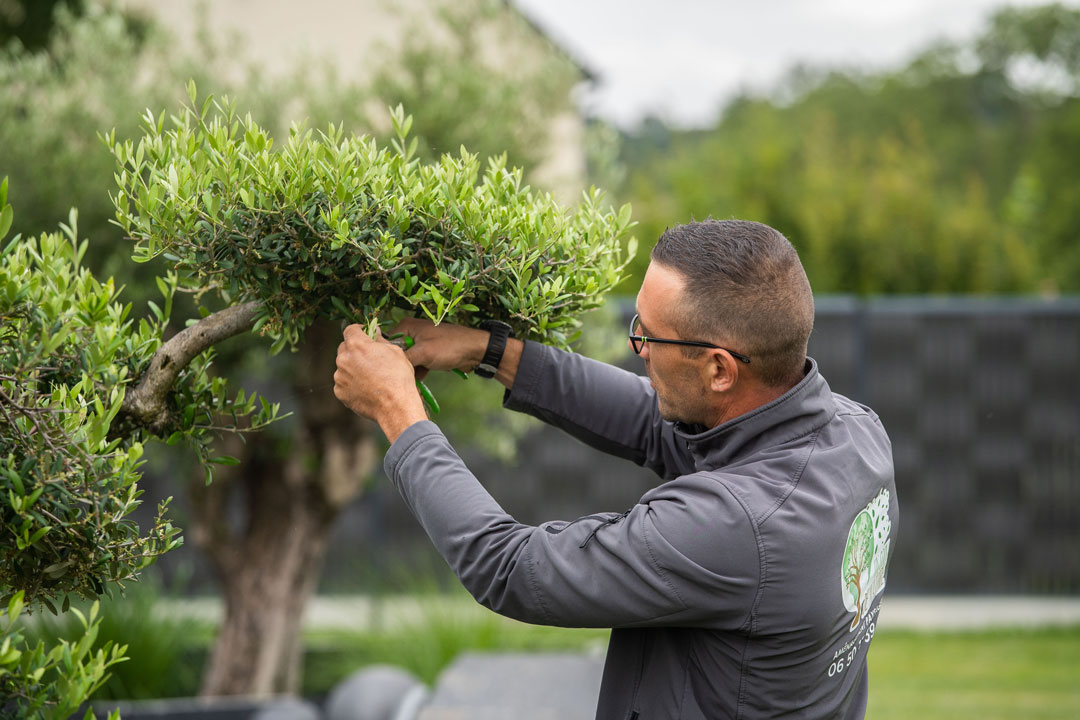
(406, 443)
(534, 359)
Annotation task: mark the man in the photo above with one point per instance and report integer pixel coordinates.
(747, 584)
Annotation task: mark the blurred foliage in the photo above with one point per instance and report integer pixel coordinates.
(466, 85)
(956, 173)
(30, 22)
(167, 649)
(94, 74)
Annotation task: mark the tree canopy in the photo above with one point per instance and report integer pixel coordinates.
(952, 174)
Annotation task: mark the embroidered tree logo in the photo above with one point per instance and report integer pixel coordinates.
(862, 573)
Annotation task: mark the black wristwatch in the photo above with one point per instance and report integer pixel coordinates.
(500, 331)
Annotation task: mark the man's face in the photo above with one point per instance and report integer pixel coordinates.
(678, 380)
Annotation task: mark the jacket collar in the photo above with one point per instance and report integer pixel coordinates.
(800, 411)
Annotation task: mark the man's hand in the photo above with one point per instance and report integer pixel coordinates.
(442, 347)
(376, 380)
(453, 347)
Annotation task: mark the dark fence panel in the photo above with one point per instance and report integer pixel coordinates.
(980, 397)
(982, 401)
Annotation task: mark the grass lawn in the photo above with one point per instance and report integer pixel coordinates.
(990, 675)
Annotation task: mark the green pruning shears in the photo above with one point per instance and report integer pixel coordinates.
(405, 342)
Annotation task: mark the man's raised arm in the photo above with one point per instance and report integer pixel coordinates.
(608, 408)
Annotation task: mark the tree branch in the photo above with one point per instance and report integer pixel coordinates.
(145, 402)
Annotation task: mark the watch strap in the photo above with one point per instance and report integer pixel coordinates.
(500, 332)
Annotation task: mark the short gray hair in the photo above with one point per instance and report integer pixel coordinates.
(746, 289)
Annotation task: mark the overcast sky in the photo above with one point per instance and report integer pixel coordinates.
(680, 59)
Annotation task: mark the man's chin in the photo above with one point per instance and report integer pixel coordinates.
(675, 414)
(667, 413)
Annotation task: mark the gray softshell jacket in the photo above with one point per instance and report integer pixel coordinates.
(746, 585)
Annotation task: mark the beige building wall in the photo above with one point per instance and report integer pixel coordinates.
(353, 35)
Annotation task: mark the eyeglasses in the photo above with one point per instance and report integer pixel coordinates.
(638, 342)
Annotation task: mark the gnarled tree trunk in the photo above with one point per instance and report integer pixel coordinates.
(268, 560)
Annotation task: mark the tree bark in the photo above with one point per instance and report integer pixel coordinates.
(269, 563)
(145, 402)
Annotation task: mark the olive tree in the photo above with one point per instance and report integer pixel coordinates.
(306, 468)
(289, 244)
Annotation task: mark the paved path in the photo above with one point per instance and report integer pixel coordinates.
(977, 612)
(532, 686)
(901, 612)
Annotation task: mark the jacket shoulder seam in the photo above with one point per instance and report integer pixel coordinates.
(656, 564)
(750, 624)
(530, 568)
(747, 623)
(863, 413)
(796, 476)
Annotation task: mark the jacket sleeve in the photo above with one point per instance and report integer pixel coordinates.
(611, 409)
(689, 556)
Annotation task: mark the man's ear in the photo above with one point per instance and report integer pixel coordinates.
(722, 370)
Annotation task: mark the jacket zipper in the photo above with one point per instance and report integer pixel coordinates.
(609, 521)
(606, 521)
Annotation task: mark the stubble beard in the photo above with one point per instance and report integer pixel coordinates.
(668, 410)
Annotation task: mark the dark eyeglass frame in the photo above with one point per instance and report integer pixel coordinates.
(638, 342)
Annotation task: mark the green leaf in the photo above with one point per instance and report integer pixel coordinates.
(223, 460)
(15, 604)
(339, 305)
(7, 215)
(38, 534)
(16, 481)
